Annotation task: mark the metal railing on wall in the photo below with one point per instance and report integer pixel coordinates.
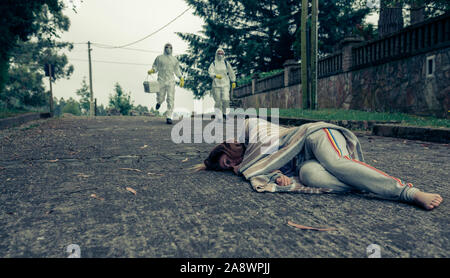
(268, 83)
(330, 65)
(243, 91)
(416, 39)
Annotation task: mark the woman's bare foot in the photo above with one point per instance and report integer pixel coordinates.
(427, 200)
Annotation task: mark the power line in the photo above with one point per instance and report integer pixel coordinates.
(110, 62)
(128, 44)
(105, 46)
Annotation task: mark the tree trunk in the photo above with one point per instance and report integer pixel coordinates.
(4, 66)
(391, 18)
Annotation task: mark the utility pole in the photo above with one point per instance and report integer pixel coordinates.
(91, 107)
(309, 54)
(304, 64)
(314, 12)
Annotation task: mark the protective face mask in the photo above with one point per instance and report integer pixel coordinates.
(168, 50)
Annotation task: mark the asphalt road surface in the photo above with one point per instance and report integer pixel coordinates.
(120, 187)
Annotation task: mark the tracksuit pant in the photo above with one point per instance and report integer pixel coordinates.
(330, 166)
(168, 90)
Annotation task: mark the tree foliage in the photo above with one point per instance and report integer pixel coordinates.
(18, 21)
(71, 106)
(120, 101)
(31, 43)
(431, 8)
(260, 35)
(394, 13)
(85, 97)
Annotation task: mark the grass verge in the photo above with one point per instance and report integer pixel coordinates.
(6, 113)
(11, 113)
(356, 115)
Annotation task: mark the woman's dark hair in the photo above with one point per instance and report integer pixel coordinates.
(233, 150)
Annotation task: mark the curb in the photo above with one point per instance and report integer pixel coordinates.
(437, 135)
(350, 124)
(21, 119)
(386, 129)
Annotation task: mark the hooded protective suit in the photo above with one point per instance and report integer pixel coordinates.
(221, 72)
(167, 66)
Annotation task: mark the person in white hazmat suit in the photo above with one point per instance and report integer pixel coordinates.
(167, 66)
(221, 72)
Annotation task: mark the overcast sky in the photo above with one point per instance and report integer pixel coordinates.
(119, 22)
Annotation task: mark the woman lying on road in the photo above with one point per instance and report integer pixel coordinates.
(323, 157)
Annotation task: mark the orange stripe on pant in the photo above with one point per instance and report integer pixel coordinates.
(375, 169)
(333, 142)
(335, 146)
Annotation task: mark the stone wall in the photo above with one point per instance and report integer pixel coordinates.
(390, 74)
(404, 86)
(289, 97)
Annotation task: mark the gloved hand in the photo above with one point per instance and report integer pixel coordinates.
(151, 71)
(233, 85)
(218, 76)
(181, 82)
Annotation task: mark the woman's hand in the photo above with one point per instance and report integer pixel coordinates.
(283, 180)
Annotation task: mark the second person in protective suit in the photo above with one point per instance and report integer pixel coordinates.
(221, 72)
(167, 66)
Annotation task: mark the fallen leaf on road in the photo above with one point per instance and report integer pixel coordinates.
(130, 169)
(81, 175)
(131, 190)
(143, 147)
(54, 160)
(96, 197)
(184, 160)
(374, 160)
(309, 228)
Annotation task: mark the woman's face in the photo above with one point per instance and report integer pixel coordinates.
(227, 163)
